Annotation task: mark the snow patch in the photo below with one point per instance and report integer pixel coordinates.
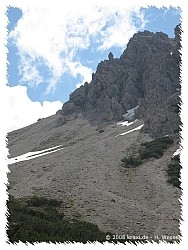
(134, 129)
(177, 152)
(32, 155)
(130, 113)
(126, 123)
(171, 53)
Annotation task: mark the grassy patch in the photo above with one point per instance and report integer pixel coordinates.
(173, 171)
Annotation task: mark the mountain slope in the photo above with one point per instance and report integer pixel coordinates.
(87, 173)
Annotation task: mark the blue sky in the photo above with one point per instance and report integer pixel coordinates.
(52, 53)
(156, 20)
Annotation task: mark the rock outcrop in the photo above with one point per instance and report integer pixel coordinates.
(146, 75)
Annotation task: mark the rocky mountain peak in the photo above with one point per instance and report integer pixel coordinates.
(146, 75)
(109, 174)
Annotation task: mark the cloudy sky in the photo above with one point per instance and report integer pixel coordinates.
(53, 49)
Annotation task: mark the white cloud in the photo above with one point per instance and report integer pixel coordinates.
(28, 70)
(76, 68)
(55, 33)
(21, 111)
(122, 29)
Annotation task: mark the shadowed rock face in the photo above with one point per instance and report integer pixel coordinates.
(146, 74)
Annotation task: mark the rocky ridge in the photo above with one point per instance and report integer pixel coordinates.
(146, 75)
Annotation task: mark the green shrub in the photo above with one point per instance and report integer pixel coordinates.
(132, 161)
(162, 142)
(176, 131)
(148, 150)
(37, 201)
(38, 223)
(146, 154)
(43, 201)
(176, 158)
(173, 171)
(155, 148)
(54, 203)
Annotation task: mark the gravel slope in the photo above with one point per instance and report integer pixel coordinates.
(87, 174)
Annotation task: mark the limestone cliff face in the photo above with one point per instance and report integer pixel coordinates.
(146, 74)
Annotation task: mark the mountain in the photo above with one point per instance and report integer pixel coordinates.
(111, 153)
(145, 76)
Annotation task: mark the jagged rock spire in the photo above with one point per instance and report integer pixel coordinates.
(110, 56)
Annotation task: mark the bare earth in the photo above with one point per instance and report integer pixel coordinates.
(87, 174)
